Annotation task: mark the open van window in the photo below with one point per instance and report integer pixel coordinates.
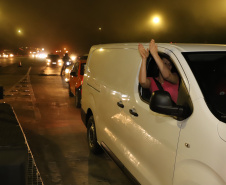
(153, 71)
(209, 69)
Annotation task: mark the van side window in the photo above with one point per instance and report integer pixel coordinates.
(153, 71)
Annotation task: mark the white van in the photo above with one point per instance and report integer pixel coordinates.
(156, 141)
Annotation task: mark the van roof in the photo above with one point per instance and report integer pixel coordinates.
(171, 46)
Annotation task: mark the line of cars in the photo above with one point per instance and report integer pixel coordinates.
(6, 54)
(56, 60)
(74, 76)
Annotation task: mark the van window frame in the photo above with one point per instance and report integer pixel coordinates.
(184, 98)
(145, 90)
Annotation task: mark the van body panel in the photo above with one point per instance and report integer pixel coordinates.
(155, 148)
(200, 133)
(158, 137)
(193, 172)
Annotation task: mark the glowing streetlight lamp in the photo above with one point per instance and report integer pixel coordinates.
(156, 20)
(19, 31)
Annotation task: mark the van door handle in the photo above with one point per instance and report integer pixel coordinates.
(120, 104)
(133, 112)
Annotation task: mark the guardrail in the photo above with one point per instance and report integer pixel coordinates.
(17, 164)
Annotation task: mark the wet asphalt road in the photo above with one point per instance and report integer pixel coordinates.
(53, 126)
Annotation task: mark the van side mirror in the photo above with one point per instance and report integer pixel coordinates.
(1, 92)
(161, 102)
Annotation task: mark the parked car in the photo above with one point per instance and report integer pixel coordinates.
(157, 141)
(76, 79)
(53, 60)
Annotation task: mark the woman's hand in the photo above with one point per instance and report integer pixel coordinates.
(153, 47)
(143, 52)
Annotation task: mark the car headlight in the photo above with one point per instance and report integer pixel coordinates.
(60, 62)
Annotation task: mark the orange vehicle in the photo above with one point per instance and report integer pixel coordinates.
(76, 78)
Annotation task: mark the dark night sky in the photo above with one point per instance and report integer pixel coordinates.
(74, 24)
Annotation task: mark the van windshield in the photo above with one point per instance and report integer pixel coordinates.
(209, 69)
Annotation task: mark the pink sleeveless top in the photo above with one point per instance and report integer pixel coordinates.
(167, 86)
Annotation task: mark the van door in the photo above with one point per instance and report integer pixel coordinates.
(150, 141)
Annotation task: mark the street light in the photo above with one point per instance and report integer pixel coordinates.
(156, 20)
(100, 34)
(155, 25)
(19, 32)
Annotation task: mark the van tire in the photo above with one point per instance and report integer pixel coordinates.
(69, 91)
(92, 137)
(78, 99)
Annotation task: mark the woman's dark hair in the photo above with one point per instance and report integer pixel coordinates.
(152, 68)
(163, 55)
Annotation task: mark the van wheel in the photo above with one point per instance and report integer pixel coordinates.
(92, 138)
(69, 91)
(78, 99)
